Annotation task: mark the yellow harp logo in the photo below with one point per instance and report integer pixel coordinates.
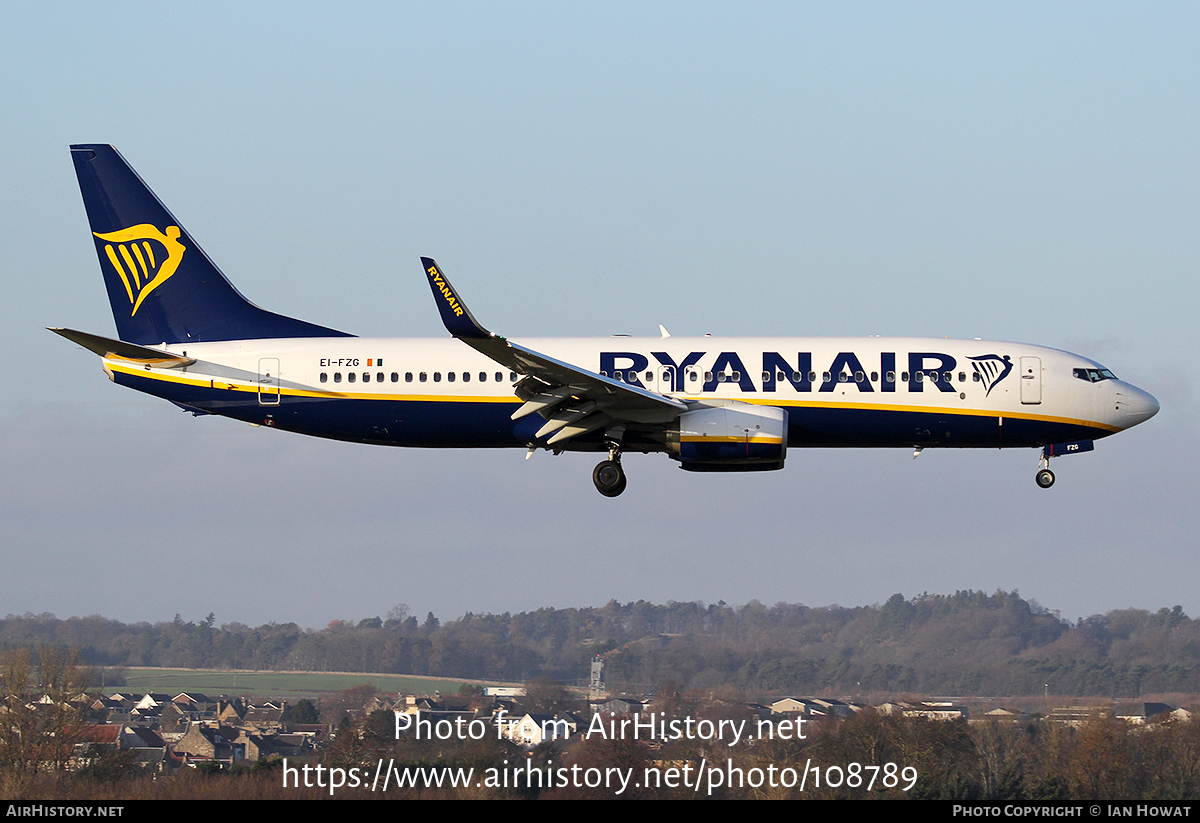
(144, 257)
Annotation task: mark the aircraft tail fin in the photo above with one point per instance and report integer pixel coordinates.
(161, 285)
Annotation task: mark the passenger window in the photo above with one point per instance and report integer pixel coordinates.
(692, 376)
(499, 377)
(437, 377)
(466, 377)
(395, 377)
(350, 376)
(423, 377)
(708, 376)
(483, 377)
(337, 377)
(512, 376)
(891, 377)
(408, 377)
(874, 377)
(450, 376)
(324, 377)
(962, 377)
(859, 377)
(812, 377)
(367, 377)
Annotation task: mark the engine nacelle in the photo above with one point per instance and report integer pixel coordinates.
(734, 437)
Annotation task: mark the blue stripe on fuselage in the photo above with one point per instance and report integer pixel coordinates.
(466, 424)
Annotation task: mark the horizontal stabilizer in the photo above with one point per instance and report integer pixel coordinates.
(106, 347)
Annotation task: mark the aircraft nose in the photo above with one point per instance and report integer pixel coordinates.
(1138, 406)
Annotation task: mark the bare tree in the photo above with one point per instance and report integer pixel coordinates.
(41, 708)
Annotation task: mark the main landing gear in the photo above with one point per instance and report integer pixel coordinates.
(608, 475)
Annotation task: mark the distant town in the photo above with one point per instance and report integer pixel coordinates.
(907, 691)
(165, 732)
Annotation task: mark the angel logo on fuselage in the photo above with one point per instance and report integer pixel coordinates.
(991, 368)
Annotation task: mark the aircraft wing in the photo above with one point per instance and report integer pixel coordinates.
(573, 400)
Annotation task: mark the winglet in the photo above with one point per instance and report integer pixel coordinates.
(455, 315)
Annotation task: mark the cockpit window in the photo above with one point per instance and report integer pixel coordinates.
(1094, 375)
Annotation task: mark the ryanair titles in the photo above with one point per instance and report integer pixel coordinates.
(440, 283)
(882, 373)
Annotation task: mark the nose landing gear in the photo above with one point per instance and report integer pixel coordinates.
(1045, 477)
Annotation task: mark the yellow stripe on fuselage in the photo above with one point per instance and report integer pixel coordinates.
(1012, 415)
(754, 438)
(187, 380)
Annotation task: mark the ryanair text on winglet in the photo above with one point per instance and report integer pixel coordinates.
(445, 290)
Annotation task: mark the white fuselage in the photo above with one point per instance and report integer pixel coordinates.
(838, 391)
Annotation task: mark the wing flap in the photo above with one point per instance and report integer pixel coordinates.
(584, 426)
(543, 401)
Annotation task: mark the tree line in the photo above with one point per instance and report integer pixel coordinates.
(969, 642)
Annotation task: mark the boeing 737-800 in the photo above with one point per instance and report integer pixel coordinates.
(185, 334)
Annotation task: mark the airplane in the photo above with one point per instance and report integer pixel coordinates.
(185, 334)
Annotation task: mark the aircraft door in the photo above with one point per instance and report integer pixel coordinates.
(1031, 380)
(693, 379)
(268, 381)
(664, 379)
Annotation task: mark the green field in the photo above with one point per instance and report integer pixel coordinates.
(275, 684)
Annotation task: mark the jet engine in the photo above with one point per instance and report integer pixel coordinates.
(733, 437)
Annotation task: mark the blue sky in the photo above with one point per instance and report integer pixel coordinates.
(1010, 172)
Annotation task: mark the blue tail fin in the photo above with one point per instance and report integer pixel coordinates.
(162, 286)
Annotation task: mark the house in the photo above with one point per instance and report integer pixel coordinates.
(1139, 714)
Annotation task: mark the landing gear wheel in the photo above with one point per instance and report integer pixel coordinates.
(609, 478)
(1045, 478)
